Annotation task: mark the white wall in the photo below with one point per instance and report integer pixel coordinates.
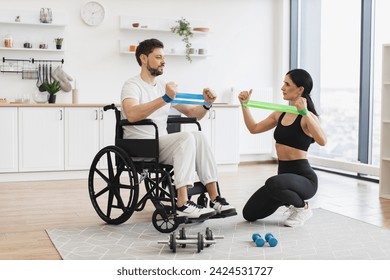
(245, 42)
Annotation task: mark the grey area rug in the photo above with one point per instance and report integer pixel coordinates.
(326, 236)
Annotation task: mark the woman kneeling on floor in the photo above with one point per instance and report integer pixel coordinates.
(296, 181)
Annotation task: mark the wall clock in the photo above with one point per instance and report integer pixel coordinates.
(92, 13)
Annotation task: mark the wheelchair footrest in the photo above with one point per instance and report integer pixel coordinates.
(229, 214)
(198, 220)
(181, 220)
(186, 220)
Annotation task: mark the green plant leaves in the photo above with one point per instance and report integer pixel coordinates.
(184, 30)
(52, 87)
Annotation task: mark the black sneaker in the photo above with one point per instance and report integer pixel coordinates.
(221, 206)
(194, 211)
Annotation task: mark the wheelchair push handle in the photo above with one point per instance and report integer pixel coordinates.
(110, 107)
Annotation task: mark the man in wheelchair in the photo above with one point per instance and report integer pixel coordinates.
(146, 96)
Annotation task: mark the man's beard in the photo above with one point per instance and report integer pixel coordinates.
(154, 71)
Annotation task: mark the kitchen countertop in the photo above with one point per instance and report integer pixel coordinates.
(13, 104)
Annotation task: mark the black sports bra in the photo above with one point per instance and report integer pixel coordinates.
(292, 135)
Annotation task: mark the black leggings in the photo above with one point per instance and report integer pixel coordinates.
(296, 182)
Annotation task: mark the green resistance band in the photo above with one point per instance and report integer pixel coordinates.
(275, 107)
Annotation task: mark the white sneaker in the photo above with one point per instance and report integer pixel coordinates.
(221, 206)
(194, 211)
(298, 216)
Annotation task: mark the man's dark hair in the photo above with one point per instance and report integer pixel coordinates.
(146, 47)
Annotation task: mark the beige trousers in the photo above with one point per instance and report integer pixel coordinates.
(190, 154)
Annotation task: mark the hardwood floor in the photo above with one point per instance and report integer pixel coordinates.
(28, 208)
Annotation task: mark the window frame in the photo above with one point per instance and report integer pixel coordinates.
(366, 91)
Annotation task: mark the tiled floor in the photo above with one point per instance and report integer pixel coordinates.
(327, 236)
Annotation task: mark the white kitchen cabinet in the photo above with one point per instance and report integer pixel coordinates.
(107, 128)
(50, 141)
(9, 139)
(221, 127)
(41, 139)
(255, 147)
(81, 137)
(87, 130)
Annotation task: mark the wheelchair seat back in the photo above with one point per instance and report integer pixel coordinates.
(145, 149)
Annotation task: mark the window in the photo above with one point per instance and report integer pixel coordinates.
(381, 36)
(327, 39)
(334, 65)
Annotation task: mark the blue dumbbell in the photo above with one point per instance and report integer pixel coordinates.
(259, 241)
(272, 241)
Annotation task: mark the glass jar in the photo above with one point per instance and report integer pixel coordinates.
(46, 15)
(8, 41)
(41, 97)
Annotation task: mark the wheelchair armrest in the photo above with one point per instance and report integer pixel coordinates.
(181, 120)
(184, 120)
(141, 122)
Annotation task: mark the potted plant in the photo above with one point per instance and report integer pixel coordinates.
(58, 42)
(183, 29)
(52, 88)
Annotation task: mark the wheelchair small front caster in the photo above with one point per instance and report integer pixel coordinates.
(163, 220)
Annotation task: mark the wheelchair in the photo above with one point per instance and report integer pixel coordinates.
(117, 172)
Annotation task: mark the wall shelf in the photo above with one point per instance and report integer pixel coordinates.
(31, 30)
(31, 49)
(32, 24)
(31, 17)
(156, 24)
(173, 45)
(384, 181)
(146, 29)
(124, 47)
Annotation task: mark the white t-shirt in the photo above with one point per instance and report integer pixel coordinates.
(143, 92)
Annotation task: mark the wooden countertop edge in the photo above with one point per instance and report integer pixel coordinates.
(218, 105)
(53, 105)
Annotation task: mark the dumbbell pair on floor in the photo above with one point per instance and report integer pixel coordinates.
(260, 242)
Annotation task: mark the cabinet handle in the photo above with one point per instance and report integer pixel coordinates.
(214, 114)
(96, 115)
(101, 114)
(60, 114)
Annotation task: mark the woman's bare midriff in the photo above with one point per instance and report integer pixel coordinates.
(288, 153)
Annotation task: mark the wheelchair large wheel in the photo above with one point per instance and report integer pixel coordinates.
(113, 185)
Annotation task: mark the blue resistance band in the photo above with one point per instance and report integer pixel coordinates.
(189, 98)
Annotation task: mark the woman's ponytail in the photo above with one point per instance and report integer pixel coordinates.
(303, 79)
